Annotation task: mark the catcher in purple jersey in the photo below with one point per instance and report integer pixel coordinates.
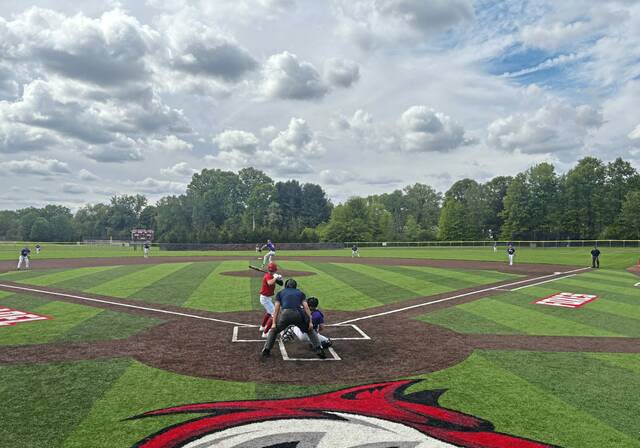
(317, 319)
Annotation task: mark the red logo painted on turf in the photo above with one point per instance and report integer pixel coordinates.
(566, 300)
(371, 415)
(9, 317)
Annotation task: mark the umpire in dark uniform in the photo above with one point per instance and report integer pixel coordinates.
(595, 257)
(292, 309)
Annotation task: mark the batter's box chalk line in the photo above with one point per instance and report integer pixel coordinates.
(362, 335)
(283, 350)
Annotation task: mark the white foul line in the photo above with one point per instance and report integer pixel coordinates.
(156, 310)
(460, 295)
(542, 282)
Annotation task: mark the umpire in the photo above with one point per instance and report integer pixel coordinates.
(292, 309)
(595, 257)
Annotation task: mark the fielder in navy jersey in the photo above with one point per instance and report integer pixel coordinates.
(24, 257)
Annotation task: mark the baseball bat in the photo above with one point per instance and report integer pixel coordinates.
(255, 268)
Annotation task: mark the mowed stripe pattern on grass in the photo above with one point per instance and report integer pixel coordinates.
(567, 399)
(616, 312)
(69, 322)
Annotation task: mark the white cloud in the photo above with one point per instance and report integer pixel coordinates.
(372, 23)
(425, 130)
(108, 50)
(170, 143)
(87, 176)
(341, 72)
(635, 134)
(35, 166)
(286, 77)
(180, 169)
(555, 36)
(197, 48)
(157, 187)
(74, 189)
(555, 127)
(235, 140)
(298, 140)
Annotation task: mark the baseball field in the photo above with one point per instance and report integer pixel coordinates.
(432, 347)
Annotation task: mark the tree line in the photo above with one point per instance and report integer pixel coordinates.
(593, 200)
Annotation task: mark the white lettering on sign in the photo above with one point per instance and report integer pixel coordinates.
(9, 317)
(566, 300)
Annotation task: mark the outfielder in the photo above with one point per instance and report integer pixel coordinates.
(267, 291)
(512, 252)
(268, 258)
(291, 308)
(317, 320)
(146, 248)
(24, 257)
(38, 247)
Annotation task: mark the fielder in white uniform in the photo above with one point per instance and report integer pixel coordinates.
(511, 252)
(24, 257)
(268, 258)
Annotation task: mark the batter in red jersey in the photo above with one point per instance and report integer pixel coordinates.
(267, 292)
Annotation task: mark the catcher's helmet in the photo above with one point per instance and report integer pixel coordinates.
(272, 267)
(291, 283)
(313, 302)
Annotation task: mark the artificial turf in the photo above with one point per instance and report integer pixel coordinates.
(203, 285)
(616, 311)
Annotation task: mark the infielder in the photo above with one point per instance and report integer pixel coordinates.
(38, 249)
(267, 291)
(317, 320)
(24, 257)
(354, 251)
(511, 252)
(268, 258)
(291, 308)
(495, 247)
(146, 248)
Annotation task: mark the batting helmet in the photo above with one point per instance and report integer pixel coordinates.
(272, 267)
(291, 283)
(313, 302)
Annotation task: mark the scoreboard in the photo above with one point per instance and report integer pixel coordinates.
(142, 235)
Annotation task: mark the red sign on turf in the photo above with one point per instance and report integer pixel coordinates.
(566, 300)
(9, 316)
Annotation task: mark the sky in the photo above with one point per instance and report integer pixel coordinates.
(99, 98)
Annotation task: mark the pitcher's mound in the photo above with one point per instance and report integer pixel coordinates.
(252, 273)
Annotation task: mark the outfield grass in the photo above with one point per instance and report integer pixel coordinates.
(616, 311)
(202, 285)
(613, 257)
(575, 400)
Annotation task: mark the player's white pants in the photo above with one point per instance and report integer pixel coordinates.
(495, 248)
(304, 337)
(267, 303)
(510, 260)
(146, 253)
(37, 250)
(355, 253)
(267, 258)
(26, 261)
